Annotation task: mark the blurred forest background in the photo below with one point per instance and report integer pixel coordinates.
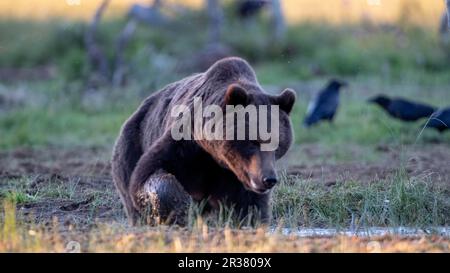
(296, 11)
(61, 60)
(71, 71)
(342, 37)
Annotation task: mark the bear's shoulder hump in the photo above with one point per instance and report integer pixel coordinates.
(231, 68)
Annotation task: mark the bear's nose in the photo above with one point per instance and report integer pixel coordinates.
(269, 182)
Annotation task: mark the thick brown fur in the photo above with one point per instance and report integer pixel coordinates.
(217, 171)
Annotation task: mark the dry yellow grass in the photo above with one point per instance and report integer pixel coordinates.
(201, 238)
(172, 240)
(336, 11)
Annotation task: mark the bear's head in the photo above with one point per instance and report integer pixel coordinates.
(260, 132)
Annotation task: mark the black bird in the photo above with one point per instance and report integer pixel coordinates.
(440, 120)
(403, 109)
(325, 104)
(249, 8)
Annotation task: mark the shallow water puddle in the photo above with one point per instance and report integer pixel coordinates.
(364, 232)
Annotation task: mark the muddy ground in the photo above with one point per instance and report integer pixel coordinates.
(73, 186)
(430, 163)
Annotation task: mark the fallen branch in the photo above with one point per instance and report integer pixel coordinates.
(119, 60)
(96, 57)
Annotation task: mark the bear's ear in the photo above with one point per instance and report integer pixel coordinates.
(236, 95)
(286, 100)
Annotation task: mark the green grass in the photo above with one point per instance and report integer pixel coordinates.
(50, 193)
(17, 197)
(15, 191)
(394, 202)
(75, 119)
(398, 201)
(385, 59)
(361, 123)
(393, 52)
(59, 127)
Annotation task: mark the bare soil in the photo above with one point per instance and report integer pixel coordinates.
(430, 163)
(73, 186)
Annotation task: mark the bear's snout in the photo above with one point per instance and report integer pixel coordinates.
(269, 182)
(264, 184)
(262, 173)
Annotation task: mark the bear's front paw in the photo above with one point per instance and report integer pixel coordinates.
(163, 200)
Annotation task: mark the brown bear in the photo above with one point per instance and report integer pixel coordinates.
(150, 166)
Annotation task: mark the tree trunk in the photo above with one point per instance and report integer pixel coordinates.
(216, 18)
(448, 12)
(120, 68)
(278, 24)
(96, 57)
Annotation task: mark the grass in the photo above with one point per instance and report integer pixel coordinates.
(49, 116)
(398, 59)
(15, 191)
(394, 202)
(17, 237)
(94, 120)
(18, 197)
(398, 201)
(59, 127)
(310, 48)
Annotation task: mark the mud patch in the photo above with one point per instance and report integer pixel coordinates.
(430, 163)
(54, 160)
(70, 202)
(71, 188)
(331, 174)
